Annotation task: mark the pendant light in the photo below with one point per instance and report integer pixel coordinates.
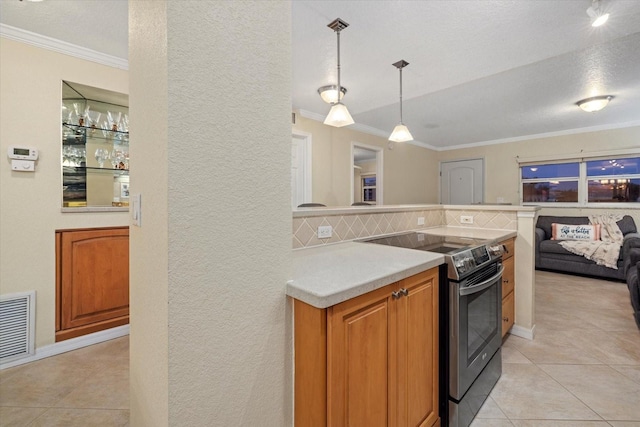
(400, 132)
(338, 115)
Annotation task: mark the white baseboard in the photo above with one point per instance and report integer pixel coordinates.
(523, 332)
(70, 344)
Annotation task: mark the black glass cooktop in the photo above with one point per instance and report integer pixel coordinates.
(428, 242)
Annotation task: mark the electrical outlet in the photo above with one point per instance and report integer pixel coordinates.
(420, 220)
(466, 219)
(325, 231)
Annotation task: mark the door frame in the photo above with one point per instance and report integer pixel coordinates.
(379, 170)
(484, 175)
(305, 139)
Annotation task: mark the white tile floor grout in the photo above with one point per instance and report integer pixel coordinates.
(581, 370)
(583, 367)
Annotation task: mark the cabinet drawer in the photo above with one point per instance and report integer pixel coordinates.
(510, 248)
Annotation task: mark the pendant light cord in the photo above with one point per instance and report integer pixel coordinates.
(401, 97)
(339, 87)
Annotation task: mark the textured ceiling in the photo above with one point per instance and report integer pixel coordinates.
(479, 71)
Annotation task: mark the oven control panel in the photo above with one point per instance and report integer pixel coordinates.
(467, 260)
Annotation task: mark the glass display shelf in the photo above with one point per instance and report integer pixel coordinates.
(77, 135)
(95, 148)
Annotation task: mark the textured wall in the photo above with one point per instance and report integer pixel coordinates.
(149, 244)
(31, 202)
(222, 251)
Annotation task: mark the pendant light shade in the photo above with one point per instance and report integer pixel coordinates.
(400, 132)
(338, 115)
(329, 94)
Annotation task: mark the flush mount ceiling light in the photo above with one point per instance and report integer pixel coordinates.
(595, 103)
(338, 115)
(329, 94)
(597, 15)
(400, 132)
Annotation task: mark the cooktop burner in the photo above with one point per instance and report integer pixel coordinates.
(463, 255)
(428, 242)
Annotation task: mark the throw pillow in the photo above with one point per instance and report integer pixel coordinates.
(575, 232)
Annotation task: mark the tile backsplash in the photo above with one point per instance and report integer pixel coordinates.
(350, 226)
(500, 220)
(357, 226)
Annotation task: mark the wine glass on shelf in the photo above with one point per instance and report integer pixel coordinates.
(101, 156)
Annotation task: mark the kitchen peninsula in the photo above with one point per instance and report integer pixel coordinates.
(360, 304)
(499, 221)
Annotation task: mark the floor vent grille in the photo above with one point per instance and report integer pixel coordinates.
(17, 325)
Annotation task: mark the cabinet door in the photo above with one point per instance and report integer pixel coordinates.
(508, 313)
(418, 351)
(94, 276)
(358, 360)
(508, 275)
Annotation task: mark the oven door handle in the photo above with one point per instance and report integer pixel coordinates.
(483, 285)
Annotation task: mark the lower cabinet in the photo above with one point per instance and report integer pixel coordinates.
(371, 360)
(508, 286)
(92, 280)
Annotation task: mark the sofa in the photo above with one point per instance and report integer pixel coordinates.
(550, 255)
(633, 277)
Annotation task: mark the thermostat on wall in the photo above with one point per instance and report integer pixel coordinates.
(22, 153)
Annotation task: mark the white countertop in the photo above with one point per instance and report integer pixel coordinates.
(327, 275)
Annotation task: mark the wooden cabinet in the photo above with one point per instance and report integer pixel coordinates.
(508, 285)
(92, 280)
(371, 360)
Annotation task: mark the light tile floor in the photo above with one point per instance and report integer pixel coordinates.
(583, 367)
(582, 370)
(84, 388)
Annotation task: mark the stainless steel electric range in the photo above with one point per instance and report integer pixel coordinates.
(471, 322)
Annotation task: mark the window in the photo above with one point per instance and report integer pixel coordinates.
(368, 188)
(614, 181)
(582, 182)
(550, 183)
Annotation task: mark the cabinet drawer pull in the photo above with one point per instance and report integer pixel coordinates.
(404, 292)
(396, 294)
(505, 319)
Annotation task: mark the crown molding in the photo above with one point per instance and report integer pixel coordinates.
(377, 132)
(544, 135)
(44, 42)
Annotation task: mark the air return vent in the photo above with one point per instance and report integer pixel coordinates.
(17, 325)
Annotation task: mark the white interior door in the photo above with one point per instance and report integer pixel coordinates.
(462, 182)
(300, 169)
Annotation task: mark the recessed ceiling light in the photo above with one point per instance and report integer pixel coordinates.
(597, 15)
(595, 103)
